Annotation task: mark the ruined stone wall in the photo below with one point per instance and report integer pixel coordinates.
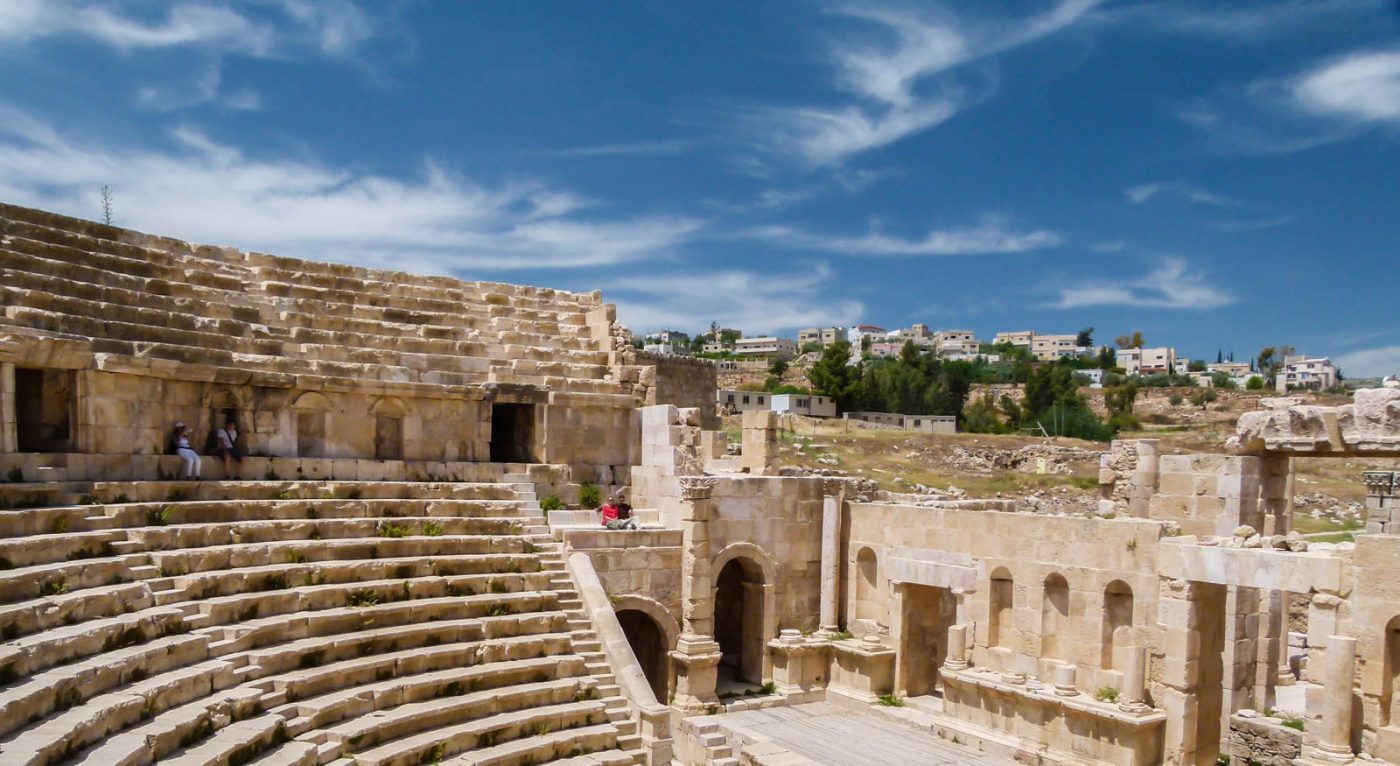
(682, 381)
(1373, 614)
(1027, 549)
(1263, 741)
(1208, 494)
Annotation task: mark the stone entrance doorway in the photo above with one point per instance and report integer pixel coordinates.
(512, 433)
(43, 410)
(648, 643)
(923, 641)
(1211, 718)
(739, 620)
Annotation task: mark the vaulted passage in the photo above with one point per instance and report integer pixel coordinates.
(739, 620)
(649, 645)
(43, 410)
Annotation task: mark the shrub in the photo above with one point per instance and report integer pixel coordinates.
(1176, 399)
(158, 517)
(432, 529)
(386, 529)
(589, 495)
(890, 700)
(1255, 383)
(551, 502)
(1106, 694)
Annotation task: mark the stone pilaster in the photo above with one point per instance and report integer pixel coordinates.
(1133, 698)
(1276, 495)
(1334, 735)
(697, 655)
(759, 455)
(9, 433)
(957, 648)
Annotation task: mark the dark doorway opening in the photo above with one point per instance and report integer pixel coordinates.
(1209, 605)
(739, 620)
(43, 410)
(512, 433)
(649, 645)
(928, 612)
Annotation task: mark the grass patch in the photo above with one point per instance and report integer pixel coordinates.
(890, 700)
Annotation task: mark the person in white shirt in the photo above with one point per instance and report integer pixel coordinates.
(228, 447)
(186, 452)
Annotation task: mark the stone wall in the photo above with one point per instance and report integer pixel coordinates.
(1208, 494)
(1263, 741)
(682, 381)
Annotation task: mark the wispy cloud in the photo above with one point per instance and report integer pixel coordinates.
(1370, 362)
(992, 235)
(1171, 285)
(438, 222)
(1253, 225)
(759, 302)
(1215, 20)
(183, 25)
(1142, 193)
(1362, 87)
(204, 86)
(896, 77)
(633, 149)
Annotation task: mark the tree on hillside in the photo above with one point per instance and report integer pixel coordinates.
(1085, 338)
(1119, 401)
(834, 376)
(1129, 341)
(1267, 363)
(1106, 360)
(777, 367)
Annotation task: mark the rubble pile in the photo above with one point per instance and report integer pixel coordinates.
(1027, 459)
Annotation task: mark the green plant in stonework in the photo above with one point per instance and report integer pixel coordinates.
(1106, 694)
(770, 687)
(841, 635)
(890, 700)
(432, 529)
(363, 598)
(551, 503)
(387, 529)
(158, 517)
(589, 495)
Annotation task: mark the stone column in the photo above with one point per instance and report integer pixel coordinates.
(957, 648)
(831, 556)
(9, 426)
(697, 654)
(1064, 680)
(759, 455)
(1133, 698)
(1240, 653)
(1334, 735)
(1144, 478)
(1276, 495)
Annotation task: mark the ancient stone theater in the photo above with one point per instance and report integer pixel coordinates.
(406, 567)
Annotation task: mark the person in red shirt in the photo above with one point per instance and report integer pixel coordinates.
(617, 514)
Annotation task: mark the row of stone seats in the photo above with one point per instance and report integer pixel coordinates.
(299, 631)
(216, 273)
(324, 360)
(190, 308)
(161, 257)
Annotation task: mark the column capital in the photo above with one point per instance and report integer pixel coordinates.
(697, 487)
(833, 487)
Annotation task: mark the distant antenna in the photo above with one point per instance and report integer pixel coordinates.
(107, 204)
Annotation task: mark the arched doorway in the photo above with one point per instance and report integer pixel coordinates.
(648, 643)
(739, 620)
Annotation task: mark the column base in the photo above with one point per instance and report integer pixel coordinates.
(1324, 755)
(1134, 708)
(697, 670)
(955, 664)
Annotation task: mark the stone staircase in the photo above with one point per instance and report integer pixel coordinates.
(437, 628)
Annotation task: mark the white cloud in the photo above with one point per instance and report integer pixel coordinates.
(1215, 20)
(1370, 362)
(758, 302)
(633, 149)
(1253, 224)
(1169, 286)
(990, 236)
(895, 78)
(1361, 87)
(202, 87)
(185, 24)
(1190, 192)
(200, 189)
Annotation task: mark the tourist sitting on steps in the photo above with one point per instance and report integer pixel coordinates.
(228, 447)
(617, 514)
(185, 451)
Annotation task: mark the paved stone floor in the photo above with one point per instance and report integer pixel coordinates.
(835, 736)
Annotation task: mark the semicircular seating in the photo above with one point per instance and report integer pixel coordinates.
(301, 629)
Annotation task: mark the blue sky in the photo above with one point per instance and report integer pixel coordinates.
(1213, 174)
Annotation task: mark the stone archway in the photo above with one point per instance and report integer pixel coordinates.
(389, 414)
(651, 632)
(311, 411)
(739, 619)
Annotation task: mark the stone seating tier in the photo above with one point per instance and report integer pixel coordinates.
(228, 265)
(368, 630)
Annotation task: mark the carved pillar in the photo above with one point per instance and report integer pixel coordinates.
(1276, 495)
(1334, 736)
(697, 654)
(831, 556)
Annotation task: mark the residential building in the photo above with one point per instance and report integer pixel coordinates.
(956, 343)
(1181, 366)
(1017, 338)
(823, 336)
(682, 349)
(1146, 361)
(810, 405)
(1233, 369)
(932, 424)
(858, 333)
(1301, 371)
(1051, 347)
(667, 338)
(1094, 374)
(766, 345)
(886, 348)
(732, 401)
(717, 347)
